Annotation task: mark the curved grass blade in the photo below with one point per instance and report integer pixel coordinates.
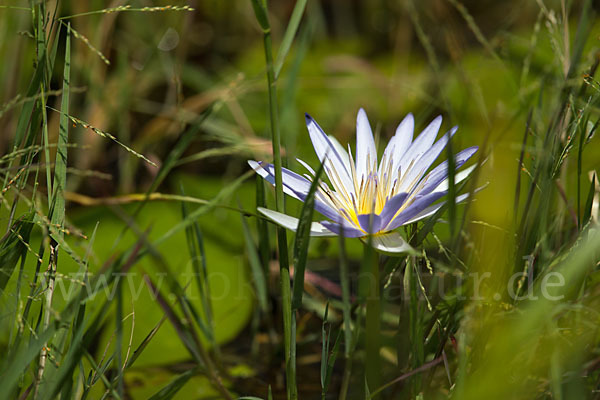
(196, 249)
(189, 339)
(18, 362)
(14, 246)
(183, 143)
(328, 357)
(194, 215)
(174, 386)
(138, 351)
(80, 341)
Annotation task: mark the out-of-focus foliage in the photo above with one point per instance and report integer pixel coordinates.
(183, 85)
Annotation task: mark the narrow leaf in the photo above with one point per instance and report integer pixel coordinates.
(302, 240)
(258, 275)
(261, 15)
(60, 166)
(587, 211)
(14, 246)
(289, 35)
(174, 386)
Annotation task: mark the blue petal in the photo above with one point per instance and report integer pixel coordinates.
(391, 208)
(294, 185)
(434, 208)
(321, 207)
(344, 229)
(294, 179)
(414, 209)
(440, 173)
(365, 221)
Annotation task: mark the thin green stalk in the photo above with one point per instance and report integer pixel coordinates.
(451, 191)
(345, 282)
(349, 338)
(57, 208)
(119, 341)
(274, 120)
(582, 129)
(260, 10)
(262, 228)
(415, 322)
(41, 38)
(373, 318)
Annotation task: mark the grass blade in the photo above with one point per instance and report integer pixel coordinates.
(327, 358)
(589, 202)
(191, 342)
(194, 215)
(324, 346)
(302, 240)
(169, 391)
(258, 275)
(14, 246)
(57, 219)
(347, 306)
(289, 35)
(60, 165)
(80, 341)
(142, 346)
(451, 196)
(264, 247)
(260, 10)
(183, 143)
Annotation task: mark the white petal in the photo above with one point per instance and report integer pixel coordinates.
(390, 149)
(327, 152)
(424, 162)
(459, 177)
(402, 139)
(421, 144)
(291, 223)
(390, 243)
(305, 165)
(366, 153)
(341, 151)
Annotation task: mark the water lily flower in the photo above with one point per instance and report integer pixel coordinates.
(366, 198)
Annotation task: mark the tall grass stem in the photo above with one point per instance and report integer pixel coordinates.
(286, 297)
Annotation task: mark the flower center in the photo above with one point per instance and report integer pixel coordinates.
(369, 193)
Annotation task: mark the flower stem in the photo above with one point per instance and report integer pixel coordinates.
(373, 320)
(347, 312)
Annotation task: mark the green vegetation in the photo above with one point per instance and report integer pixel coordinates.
(134, 262)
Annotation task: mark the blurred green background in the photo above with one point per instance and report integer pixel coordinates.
(144, 76)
